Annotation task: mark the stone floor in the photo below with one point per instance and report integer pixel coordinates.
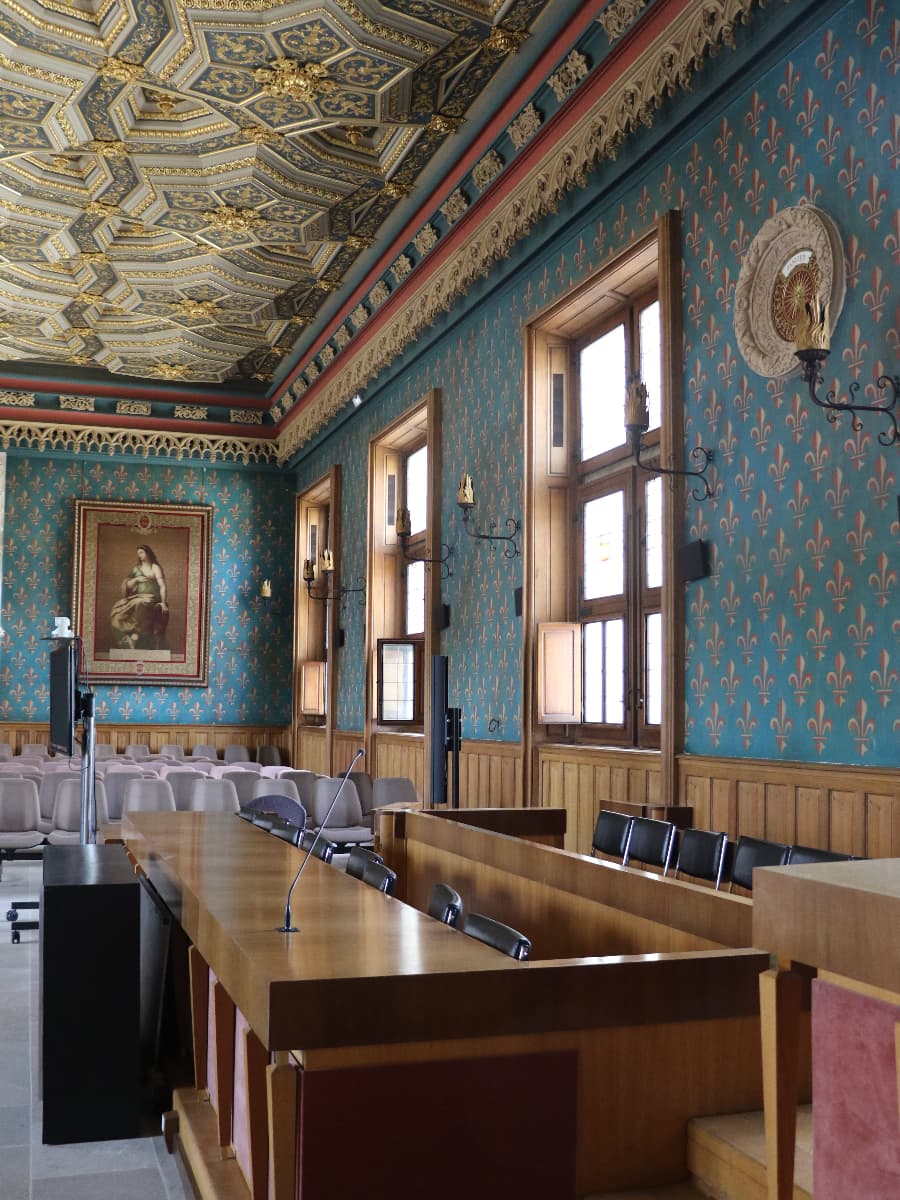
(135, 1169)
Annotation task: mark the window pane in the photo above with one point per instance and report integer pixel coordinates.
(653, 660)
(604, 672)
(398, 682)
(653, 560)
(604, 546)
(417, 489)
(602, 392)
(651, 370)
(415, 598)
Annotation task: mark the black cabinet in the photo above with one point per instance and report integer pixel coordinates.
(90, 994)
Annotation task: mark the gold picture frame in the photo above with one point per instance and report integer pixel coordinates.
(140, 591)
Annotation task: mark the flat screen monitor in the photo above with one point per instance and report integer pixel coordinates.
(63, 697)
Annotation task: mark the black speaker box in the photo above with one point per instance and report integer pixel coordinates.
(692, 561)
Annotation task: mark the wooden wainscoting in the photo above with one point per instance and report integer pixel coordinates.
(399, 754)
(581, 779)
(122, 734)
(346, 743)
(852, 810)
(312, 749)
(490, 775)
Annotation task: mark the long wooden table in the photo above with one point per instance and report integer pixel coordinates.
(454, 1060)
(844, 920)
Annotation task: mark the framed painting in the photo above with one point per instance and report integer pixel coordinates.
(140, 593)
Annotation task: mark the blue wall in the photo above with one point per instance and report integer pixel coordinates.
(250, 647)
(794, 642)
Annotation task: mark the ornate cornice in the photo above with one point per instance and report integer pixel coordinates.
(94, 439)
(664, 68)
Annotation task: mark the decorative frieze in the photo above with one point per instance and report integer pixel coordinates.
(618, 16)
(78, 403)
(566, 79)
(190, 412)
(17, 399)
(245, 416)
(486, 170)
(39, 435)
(454, 207)
(401, 268)
(359, 316)
(133, 408)
(326, 354)
(379, 293)
(525, 126)
(341, 337)
(425, 239)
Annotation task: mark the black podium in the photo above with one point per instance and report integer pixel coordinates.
(90, 994)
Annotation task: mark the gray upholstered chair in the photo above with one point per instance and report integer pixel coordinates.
(213, 795)
(393, 789)
(172, 750)
(148, 795)
(233, 754)
(345, 824)
(137, 751)
(20, 816)
(244, 783)
(275, 787)
(115, 780)
(205, 750)
(269, 756)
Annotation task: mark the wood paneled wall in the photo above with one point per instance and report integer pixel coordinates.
(399, 754)
(579, 779)
(312, 749)
(490, 775)
(848, 809)
(156, 736)
(346, 744)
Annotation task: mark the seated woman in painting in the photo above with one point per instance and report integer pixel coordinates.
(140, 618)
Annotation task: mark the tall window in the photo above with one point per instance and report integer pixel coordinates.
(618, 509)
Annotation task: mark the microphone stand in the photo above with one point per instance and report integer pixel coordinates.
(288, 926)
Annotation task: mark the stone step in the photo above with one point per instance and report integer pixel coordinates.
(727, 1156)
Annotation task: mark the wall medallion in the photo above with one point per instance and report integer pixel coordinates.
(796, 254)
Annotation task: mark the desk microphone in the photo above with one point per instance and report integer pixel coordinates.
(288, 926)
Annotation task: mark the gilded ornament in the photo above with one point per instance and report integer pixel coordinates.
(77, 403)
(379, 293)
(396, 191)
(356, 242)
(359, 316)
(326, 355)
(133, 408)
(107, 148)
(190, 412)
(120, 70)
(293, 80)
(18, 399)
(454, 207)
(502, 41)
(442, 124)
(196, 309)
(244, 416)
(233, 220)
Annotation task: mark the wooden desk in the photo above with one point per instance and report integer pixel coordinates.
(377, 1013)
(843, 919)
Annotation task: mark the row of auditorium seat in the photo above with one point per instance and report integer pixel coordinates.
(139, 751)
(701, 853)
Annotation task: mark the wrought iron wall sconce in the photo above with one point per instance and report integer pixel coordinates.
(813, 345)
(403, 530)
(637, 422)
(309, 578)
(265, 591)
(465, 498)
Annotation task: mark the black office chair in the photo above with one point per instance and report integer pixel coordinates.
(805, 855)
(612, 833)
(379, 875)
(651, 842)
(359, 856)
(753, 852)
(494, 933)
(286, 831)
(264, 820)
(445, 904)
(286, 808)
(321, 848)
(701, 855)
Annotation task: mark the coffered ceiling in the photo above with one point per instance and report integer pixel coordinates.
(183, 186)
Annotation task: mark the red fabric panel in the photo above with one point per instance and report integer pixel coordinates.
(856, 1120)
(475, 1128)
